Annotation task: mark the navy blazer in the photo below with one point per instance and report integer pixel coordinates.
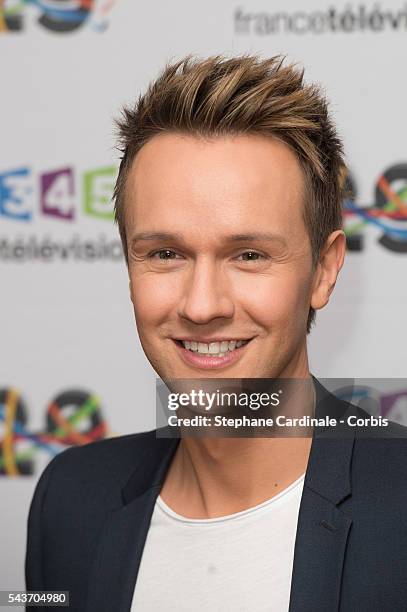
(92, 507)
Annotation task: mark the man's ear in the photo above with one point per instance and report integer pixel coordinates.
(330, 262)
(130, 292)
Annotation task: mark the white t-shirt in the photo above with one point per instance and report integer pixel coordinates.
(239, 562)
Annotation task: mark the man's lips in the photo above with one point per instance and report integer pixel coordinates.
(205, 360)
(208, 340)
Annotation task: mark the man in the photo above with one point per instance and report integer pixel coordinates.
(228, 202)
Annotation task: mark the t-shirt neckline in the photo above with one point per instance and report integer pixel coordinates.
(229, 517)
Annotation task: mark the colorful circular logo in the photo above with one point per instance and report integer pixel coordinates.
(73, 417)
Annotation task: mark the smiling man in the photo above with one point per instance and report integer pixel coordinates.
(228, 202)
(218, 251)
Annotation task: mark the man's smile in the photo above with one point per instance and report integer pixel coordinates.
(215, 354)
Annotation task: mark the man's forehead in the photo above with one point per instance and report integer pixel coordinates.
(201, 187)
(227, 156)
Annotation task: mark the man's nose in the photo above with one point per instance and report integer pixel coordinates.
(206, 294)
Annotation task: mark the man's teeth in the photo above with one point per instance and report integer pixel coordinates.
(214, 349)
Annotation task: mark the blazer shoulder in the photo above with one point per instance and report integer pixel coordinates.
(396, 430)
(92, 475)
(376, 427)
(380, 461)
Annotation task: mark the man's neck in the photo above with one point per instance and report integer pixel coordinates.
(211, 477)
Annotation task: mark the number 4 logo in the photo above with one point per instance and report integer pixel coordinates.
(57, 194)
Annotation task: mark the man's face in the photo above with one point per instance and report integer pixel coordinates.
(234, 263)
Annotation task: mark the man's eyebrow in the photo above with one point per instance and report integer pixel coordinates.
(156, 236)
(256, 236)
(247, 237)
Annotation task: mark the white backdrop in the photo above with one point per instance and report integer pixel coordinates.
(66, 320)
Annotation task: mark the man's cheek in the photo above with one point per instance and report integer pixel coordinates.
(274, 306)
(142, 296)
(156, 290)
(144, 311)
(150, 309)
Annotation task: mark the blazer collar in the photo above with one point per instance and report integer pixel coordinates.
(329, 464)
(153, 466)
(323, 527)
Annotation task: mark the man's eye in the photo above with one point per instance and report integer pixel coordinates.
(251, 256)
(163, 254)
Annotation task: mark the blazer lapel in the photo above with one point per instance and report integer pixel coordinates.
(120, 547)
(323, 527)
(319, 555)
